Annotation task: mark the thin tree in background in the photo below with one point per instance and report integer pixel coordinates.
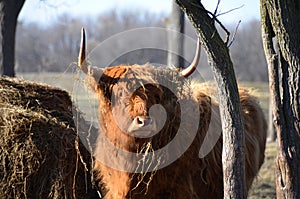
(9, 12)
(175, 40)
(280, 19)
(233, 159)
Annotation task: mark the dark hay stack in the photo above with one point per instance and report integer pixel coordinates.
(40, 152)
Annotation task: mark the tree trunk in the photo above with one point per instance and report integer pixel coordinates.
(9, 11)
(233, 131)
(175, 36)
(271, 130)
(281, 19)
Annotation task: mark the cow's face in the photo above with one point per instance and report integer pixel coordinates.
(134, 101)
(132, 98)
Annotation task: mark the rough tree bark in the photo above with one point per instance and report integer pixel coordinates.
(271, 130)
(175, 39)
(9, 11)
(281, 19)
(233, 132)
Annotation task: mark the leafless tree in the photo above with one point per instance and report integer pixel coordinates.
(9, 12)
(247, 52)
(233, 132)
(280, 19)
(175, 40)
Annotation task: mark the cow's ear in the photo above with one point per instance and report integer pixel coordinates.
(110, 77)
(102, 90)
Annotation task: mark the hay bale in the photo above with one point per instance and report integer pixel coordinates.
(40, 153)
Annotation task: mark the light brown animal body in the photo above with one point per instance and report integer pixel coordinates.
(126, 95)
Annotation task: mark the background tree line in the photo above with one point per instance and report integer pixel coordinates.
(54, 47)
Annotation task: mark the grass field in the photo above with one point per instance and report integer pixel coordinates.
(263, 187)
(70, 82)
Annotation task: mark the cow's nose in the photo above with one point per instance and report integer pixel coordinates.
(142, 127)
(142, 121)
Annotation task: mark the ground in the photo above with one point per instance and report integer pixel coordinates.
(264, 185)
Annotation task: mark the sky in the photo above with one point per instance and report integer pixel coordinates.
(46, 11)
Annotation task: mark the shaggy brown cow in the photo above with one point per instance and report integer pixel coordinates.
(135, 127)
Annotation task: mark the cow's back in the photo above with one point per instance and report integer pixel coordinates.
(255, 127)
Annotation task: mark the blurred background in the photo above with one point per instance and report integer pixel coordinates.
(48, 32)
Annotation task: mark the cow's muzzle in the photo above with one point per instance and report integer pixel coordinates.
(142, 127)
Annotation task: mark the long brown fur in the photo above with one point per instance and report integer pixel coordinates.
(189, 176)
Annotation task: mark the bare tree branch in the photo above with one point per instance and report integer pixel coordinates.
(214, 17)
(216, 10)
(234, 34)
(223, 13)
(233, 159)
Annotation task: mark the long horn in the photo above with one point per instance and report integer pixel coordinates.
(83, 63)
(82, 53)
(192, 67)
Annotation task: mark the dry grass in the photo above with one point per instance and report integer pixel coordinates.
(264, 185)
(40, 153)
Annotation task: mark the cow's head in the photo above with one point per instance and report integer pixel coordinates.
(136, 102)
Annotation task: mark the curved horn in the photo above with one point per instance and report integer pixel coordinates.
(192, 67)
(82, 62)
(82, 53)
